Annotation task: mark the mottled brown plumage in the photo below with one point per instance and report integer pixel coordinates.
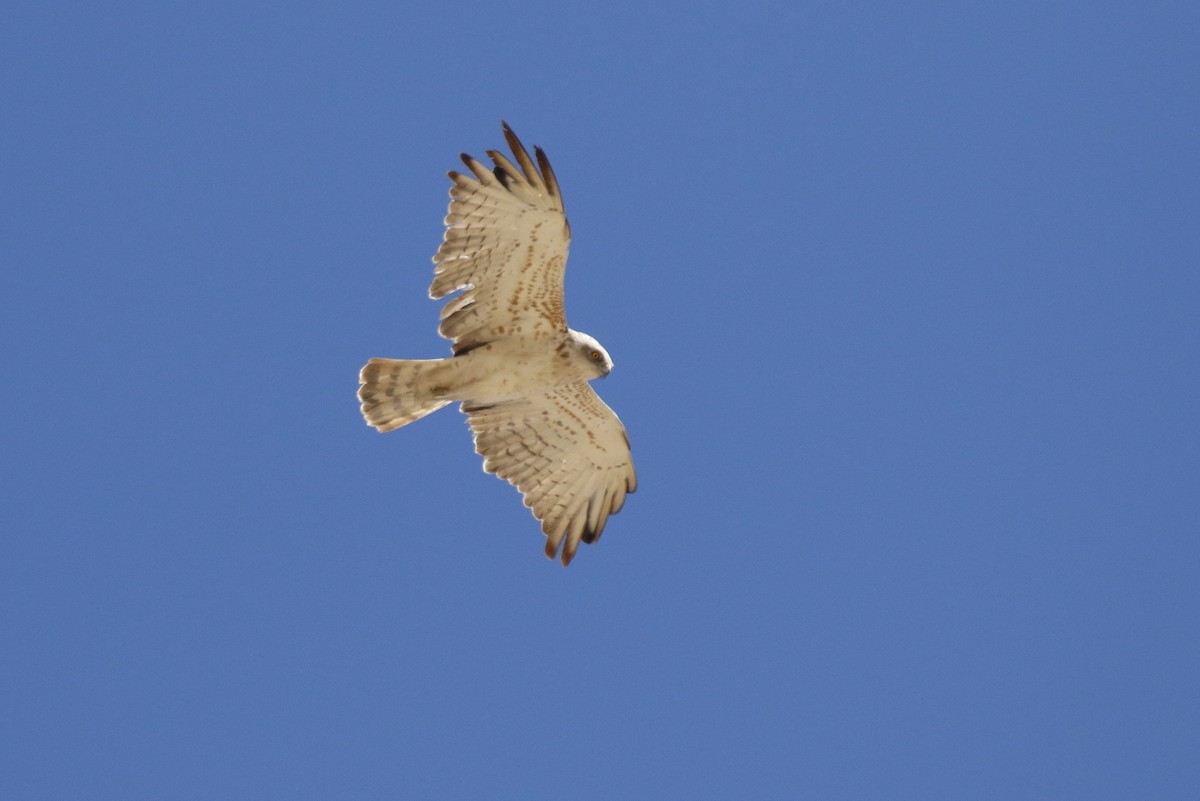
(520, 373)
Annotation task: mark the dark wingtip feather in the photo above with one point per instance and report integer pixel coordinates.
(547, 172)
(590, 536)
(522, 157)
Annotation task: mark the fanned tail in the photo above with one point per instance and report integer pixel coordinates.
(395, 392)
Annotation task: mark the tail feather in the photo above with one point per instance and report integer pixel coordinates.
(395, 392)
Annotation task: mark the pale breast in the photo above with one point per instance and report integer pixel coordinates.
(512, 368)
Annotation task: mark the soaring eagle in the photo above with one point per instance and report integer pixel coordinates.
(519, 372)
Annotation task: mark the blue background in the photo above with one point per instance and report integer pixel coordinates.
(903, 302)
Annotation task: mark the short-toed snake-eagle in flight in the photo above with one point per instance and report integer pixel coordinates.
(519, 372)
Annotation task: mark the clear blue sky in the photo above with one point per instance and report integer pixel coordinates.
(905, 308)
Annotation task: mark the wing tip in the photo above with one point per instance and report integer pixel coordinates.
(551, 551)
(592, 535)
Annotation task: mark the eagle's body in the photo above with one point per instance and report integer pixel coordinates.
(520, 373)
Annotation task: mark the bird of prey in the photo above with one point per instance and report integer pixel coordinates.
(520, 374)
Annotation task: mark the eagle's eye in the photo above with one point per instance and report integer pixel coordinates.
(595, 355)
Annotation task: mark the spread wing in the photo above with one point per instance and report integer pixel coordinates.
(566, 452)
(506, 244)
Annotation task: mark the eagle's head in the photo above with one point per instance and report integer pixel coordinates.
(592, 354)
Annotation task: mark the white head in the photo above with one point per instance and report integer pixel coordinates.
(593, 354)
